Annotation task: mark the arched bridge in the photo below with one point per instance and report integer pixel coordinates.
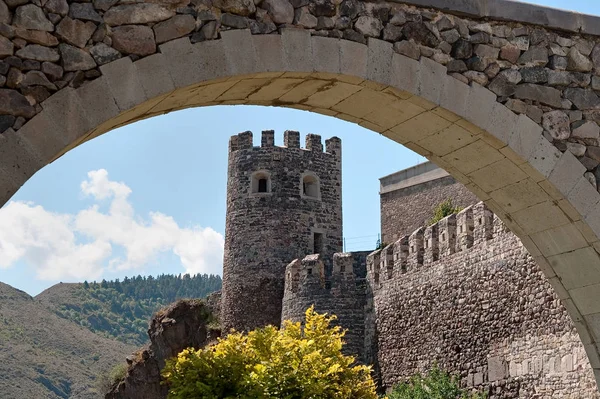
(502, 95)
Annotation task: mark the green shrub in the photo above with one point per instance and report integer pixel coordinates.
(380, 244)
(292, 363)
(118, 373)
(109, 379)
(436, 384)
(444, 209)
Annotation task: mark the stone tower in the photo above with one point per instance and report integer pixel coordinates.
(282, 203)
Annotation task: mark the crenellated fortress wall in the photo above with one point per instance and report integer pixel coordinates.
(341, 293)
(466, 294)
(463, 293)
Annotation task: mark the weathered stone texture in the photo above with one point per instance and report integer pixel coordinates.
(463, 293)
(342, 292)
(485, 311)
(400, 216)
(533, 70)
(266, 231)
(134, 39)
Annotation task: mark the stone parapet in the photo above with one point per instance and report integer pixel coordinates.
(431, 244)
(464, 293)
(291, 140)
(341, 293)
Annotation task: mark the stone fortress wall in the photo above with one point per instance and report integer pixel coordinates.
(463, 292)
(424, 184)
(341, 293)
(466, 294)
(271, 220)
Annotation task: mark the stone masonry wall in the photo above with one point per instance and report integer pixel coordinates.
(266, 231)
(342, 293)
(400, 213)
(465, 293)
(551, 75)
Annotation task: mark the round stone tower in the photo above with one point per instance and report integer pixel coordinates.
(282, 203)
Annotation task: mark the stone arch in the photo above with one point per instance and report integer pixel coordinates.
(538, 191)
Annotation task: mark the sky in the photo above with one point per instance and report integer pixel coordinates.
(149, 198)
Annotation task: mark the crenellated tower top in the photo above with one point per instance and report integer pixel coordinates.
(291, 139)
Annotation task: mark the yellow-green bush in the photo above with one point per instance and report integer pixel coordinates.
(444, 209)
(292, 363)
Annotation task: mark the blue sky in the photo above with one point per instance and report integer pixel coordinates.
(149, 198)
(175, 164)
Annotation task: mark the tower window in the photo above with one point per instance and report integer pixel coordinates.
(261, 183)
(317, 243)
(310, 186)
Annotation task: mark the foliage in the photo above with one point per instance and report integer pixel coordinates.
(436, 384)
(442, 210)
(107, 380)
(380, 244)
(292, 363)
(121, 309)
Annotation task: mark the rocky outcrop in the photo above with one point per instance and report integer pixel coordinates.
(213, 303)
(184, 324)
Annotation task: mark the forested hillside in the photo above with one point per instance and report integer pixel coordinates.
(121, 309)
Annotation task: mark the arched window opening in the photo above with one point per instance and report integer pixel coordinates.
(261, 183)
(310, 186)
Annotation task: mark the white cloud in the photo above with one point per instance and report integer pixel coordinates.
(80, 246)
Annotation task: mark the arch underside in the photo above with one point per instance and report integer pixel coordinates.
(539, 192)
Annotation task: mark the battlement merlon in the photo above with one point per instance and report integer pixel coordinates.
(313, 142)
(343, 265)
(400, 254)
(386, 259)
(333, 146)
(430, 241)
(291, 139)
(267, 138)
(292, 275)
(240, 141)
(464, 229)
(303, 272)
(426, 245)
(312, 265)
(447, 235)
(373, 268)
(304, 275)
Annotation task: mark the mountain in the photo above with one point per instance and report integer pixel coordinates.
(45, 356)
(121, 309)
